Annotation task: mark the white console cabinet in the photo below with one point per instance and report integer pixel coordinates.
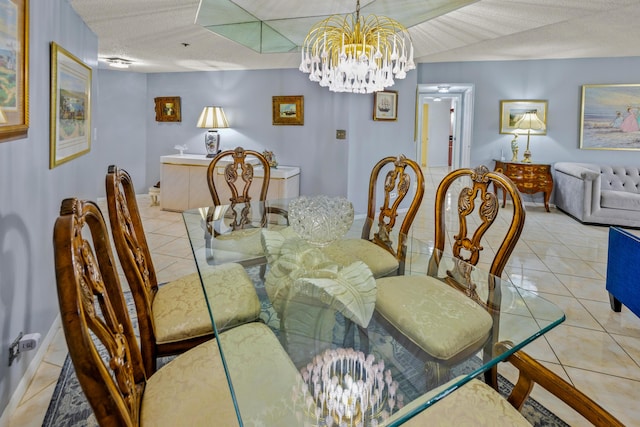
(183, 182)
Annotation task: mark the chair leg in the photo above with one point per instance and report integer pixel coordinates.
(437, 374)
(364, 339)
(491, 377)
(349, 340)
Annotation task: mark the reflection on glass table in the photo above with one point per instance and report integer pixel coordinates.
(309, 296)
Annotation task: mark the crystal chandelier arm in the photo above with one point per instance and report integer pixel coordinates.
(357, 54)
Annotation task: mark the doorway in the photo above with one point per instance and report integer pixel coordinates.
(444, 124)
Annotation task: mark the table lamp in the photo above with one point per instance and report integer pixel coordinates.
(212, 118)
(3, 117)
(529, 120)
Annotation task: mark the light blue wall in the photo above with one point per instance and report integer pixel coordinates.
(329, 166)
(30, 192)
(557, 81)
(121, 134)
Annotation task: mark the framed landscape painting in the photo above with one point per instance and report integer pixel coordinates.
(70, 108)
(287, 110)
(14, 69)
(610, 117)
(512, 111)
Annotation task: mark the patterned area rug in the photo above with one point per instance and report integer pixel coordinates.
(69, 407)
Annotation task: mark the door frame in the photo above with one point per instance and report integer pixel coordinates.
(462, 96)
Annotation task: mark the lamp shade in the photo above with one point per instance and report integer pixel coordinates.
(530, 121)
(212, 118)
(3, 117)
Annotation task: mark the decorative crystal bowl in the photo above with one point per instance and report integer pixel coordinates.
(320, 219)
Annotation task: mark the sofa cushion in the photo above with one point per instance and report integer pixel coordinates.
(620, 178)
(620, 200)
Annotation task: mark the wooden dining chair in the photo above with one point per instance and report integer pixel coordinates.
(477, 404)
(441, 316)
(238, 177)
(376, 247)
(236, 189)
(191, 389)
(172, 317)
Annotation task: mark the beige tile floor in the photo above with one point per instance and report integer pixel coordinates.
(595, 349)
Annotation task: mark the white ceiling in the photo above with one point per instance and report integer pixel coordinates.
(162, 35)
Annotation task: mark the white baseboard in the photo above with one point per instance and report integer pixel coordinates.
(29, 374)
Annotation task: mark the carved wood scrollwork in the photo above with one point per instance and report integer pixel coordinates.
(94, 304)
(487, 213)
(399, 182)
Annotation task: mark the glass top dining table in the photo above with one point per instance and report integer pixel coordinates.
(323, 329)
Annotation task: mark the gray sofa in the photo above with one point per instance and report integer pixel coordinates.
(598, 194)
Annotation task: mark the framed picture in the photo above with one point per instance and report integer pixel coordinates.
(168, 109)
(512, 110)
(288, 110)
(385, 105)
(14, 69)
(70, 107)
(610, 117)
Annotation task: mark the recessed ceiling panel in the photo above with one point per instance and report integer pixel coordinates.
(287, 22)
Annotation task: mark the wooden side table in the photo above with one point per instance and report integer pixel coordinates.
(530, 178)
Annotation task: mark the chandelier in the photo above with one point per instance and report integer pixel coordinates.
(356, 54)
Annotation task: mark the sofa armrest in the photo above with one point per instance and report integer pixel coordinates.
(584, 171)
(577, 189)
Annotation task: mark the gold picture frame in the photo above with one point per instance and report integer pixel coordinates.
(168, 109)
(70, 109)
(385, 105)
(511, 110)
(14, 91)
(288, 110)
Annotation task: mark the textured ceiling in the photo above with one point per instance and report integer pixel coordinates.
(163, 36)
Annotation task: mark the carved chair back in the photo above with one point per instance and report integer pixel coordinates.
(134, 255)
(93, 310)
(397, 185)
(477, 210)
(238, 175)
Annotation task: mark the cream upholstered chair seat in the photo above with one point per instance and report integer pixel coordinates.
(180, 309)
(380, 261)
(439, 319)
(477, 404)
(474, 404)
(196, 379)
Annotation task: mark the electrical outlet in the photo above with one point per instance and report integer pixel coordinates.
(23, 343)
(341, 134)
(29, 342)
